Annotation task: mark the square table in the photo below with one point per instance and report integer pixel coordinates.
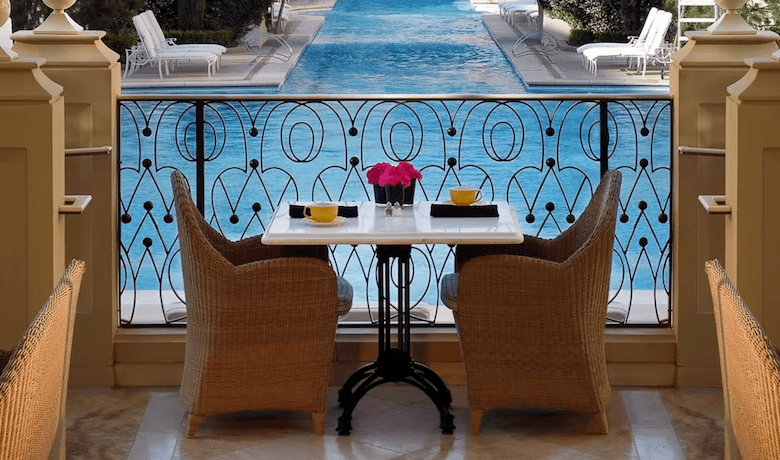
(393, 237)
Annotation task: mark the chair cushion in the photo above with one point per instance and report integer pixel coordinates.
(344, 295)
(449, 291)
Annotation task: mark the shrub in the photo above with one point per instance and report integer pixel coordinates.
(119, 43)
(604, 15)
(579, 37)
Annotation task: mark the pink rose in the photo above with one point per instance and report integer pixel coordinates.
(373, 174)
(393, 176)
(408, 170)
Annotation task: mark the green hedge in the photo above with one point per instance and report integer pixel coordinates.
(579, 37)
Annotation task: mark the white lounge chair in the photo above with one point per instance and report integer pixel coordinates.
(254, 41)
(135, 58)
(505, 7)
(169, 44)
(512, 11)
(162, 57)
(280, 16)
(652, 50)
(633, 41)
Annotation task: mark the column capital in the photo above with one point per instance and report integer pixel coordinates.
(705, 49)
(23, 80)
(82, 50)
(760, 83)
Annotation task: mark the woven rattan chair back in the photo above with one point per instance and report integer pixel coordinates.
(750, 369)
(261, 325)
(34, 382)
(531, 316)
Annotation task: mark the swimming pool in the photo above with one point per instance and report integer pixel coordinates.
(406, 46)
(403, 47)
(523, 150)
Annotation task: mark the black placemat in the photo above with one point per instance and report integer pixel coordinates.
(450, 210)
(296, 211)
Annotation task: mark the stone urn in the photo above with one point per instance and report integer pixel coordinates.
(6, 54)
(731, 23)
(58, 22)
(5, 11)
(404, 195)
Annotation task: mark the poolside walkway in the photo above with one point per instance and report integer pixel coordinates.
(565, 66)
(237, 67)
(536, 68)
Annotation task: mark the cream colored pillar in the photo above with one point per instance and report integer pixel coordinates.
(90, 75)
(699, 76)
(753, 191)
(750, 203)
(32, 184)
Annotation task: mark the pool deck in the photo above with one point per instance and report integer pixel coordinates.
(239, 68)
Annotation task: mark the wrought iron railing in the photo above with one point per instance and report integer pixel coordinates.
(245, 156)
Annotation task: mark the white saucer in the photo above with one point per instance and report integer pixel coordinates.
(476, 203)
(337, 221)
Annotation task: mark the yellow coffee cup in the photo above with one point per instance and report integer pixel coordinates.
(321, 212)
(463, 195)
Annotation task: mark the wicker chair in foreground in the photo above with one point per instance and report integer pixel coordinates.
(261, 321)
(531, 316)
(33, 382)
(751, 373)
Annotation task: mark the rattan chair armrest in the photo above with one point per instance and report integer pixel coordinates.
(252, 249)
(531, 247)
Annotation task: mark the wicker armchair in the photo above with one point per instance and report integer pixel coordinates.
(261, 321)
(34, 381)
(531, 316)
(750, 368)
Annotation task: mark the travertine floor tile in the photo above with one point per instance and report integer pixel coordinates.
(396, 422)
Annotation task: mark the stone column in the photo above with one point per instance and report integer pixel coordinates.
(89, 73)
(32, 184)
(699, 75)
(753, 191)
(750, 205)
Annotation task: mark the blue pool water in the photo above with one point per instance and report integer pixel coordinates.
(406, 46)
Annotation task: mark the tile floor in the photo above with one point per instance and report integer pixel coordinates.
(396, 422)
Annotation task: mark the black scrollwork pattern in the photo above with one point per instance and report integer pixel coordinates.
(246, 156)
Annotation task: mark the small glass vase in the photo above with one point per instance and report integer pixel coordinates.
(380, 193)
(394, 193)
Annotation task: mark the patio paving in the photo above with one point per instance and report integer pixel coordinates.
(536, 68)
(237, 67)
(565, 66)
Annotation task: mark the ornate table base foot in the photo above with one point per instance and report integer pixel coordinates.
(447, 426)
(394, 365)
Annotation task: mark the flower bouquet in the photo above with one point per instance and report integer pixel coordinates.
(394, 184)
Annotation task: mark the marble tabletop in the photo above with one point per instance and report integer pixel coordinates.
(413, 225)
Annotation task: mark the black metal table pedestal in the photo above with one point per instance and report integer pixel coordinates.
(394, 364)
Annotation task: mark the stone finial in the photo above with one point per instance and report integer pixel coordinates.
(731, 23)
(6, 54)
(58, 22)
(5, 11)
